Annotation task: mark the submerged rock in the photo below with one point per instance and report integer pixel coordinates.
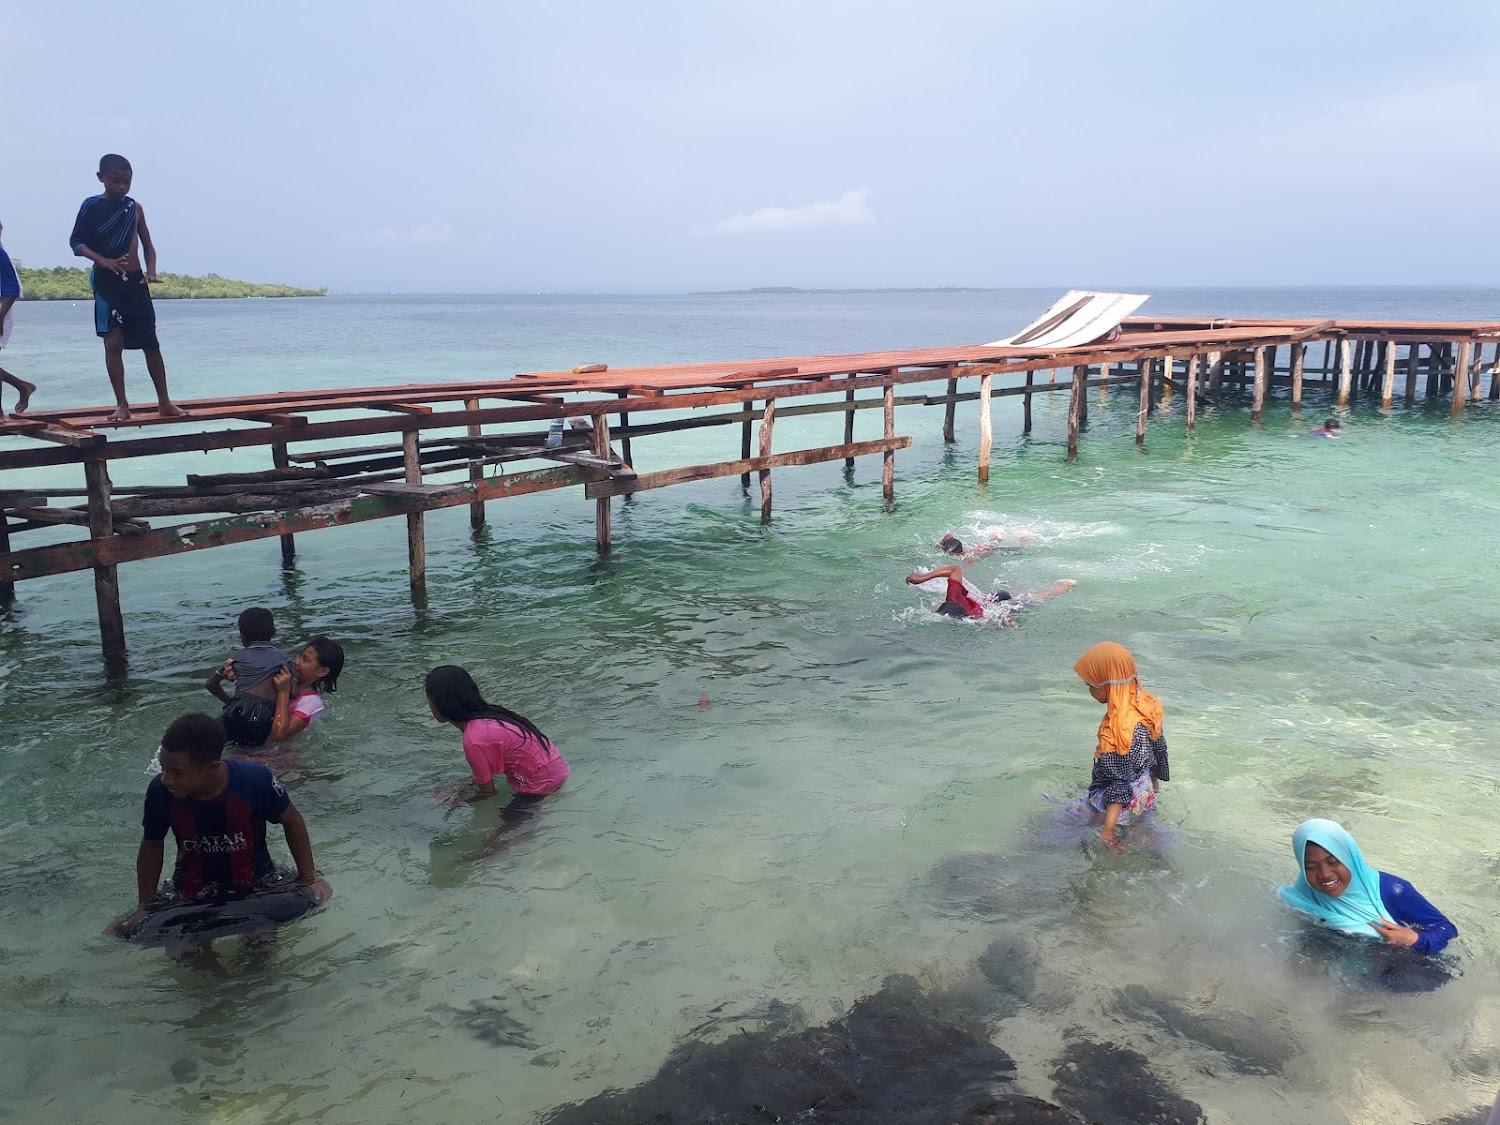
(1250, 1046)
(492, 1024)
(901, 1056)
(1110, 1085)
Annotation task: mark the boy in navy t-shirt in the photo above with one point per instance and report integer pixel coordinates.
(107, 231)
(217, 811)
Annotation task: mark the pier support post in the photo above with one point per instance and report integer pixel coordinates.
(1495, 375)
(1026, 403)
(1083, 403)
(1215, 371)
(1104, 366)
(1388, 374)
(745, 436)
(1476, 371)
(1193, 360)
(1461, 378)
(888, 459)
(7, 589)
(1145, 408)
(848, 429)
(476, 471)
(1075, 401)
(1346, 371)
(1299, 359)
(624, 437)
(948, 410)
(1258, 403)
(416, 538)
(984, 427)
(280, 459)
(1413, 355)
(766, 425)
(1168, 363)
(601, 505)
(106, 578)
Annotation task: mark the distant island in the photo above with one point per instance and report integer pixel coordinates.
(70, 283)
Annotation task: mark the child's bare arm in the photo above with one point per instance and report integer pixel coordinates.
(215, 684)
(299, 844)
(148, 863)
(1061, 586)
(5, 304)
(918, 577)
(148, 248)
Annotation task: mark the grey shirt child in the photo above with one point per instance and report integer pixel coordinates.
(254, 665)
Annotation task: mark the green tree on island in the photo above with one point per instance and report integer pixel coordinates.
(70, 283)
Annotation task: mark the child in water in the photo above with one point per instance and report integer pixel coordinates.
(496, 741)
(965, 601)
(248, 714)
(1337, 888)
(299, 698)
(1330, 429)
(217, 811)
(1130, 756)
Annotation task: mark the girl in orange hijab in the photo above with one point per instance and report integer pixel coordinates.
(1130, 759)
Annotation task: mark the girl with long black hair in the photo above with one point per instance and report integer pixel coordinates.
(496, 739)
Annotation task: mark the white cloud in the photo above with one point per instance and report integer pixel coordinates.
(850, 209)
(437, 233)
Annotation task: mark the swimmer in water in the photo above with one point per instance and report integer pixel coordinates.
(496, 741)
(951, 544)
(963, 600)
(217, 811)
(1130, 756)
(1330, 428)
(1339, 889)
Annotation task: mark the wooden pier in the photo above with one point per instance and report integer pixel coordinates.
(438, 445)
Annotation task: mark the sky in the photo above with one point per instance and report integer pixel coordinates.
(664, 147)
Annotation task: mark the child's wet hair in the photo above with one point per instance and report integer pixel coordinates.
(1331, 424)
(330, 656)
(113, 162)
(455, 696)
(952, 544)
(199, 736)
(257, 626)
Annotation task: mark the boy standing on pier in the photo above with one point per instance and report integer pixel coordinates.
(106, 232)
(10, 293)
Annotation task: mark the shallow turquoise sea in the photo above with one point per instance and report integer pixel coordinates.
(1318, 616)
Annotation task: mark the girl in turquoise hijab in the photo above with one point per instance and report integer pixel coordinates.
(1338, 888)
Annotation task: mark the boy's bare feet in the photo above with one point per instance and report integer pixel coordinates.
(27, 390)
(171, 410)
(121, 413)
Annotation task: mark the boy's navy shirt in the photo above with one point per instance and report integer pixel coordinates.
(221, 844)
(106, 226)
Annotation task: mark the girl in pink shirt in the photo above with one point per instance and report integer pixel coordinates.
(496, 739)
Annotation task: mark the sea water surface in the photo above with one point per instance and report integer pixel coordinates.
(790, 779)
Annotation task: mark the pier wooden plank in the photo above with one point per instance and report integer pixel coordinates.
(61, 558)
(666, 477)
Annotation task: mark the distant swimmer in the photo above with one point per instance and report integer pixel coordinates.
(1337, 888)
(1330, 428)
(217, 811)
(1130, 756)
(10, 293)
(497, 741)
(951, 544)
(963, 600)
